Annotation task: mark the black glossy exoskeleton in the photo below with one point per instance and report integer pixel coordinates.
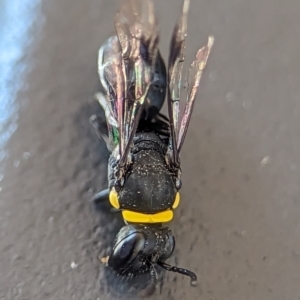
(144, 166)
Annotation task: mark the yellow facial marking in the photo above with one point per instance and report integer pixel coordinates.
(135, 217)
(113, 199)
(177, 201)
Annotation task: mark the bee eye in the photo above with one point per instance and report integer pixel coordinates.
(127, 250)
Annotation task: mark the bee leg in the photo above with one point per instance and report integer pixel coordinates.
(114, 210)
(153, 277)
(101, 130)
(162, 116)
(101, 197)
(149, 290)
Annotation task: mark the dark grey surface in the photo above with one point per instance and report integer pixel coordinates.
(239, 221)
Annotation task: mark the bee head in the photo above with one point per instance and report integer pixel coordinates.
(138, 247)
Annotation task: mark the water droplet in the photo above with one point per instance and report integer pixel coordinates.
(247, 104)
(1, 177)
(0, 189)
(230, 96)
(74, 265)
(16, 163)
(26, 155)
(266, 160)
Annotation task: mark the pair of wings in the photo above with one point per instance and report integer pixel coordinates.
(126, 69)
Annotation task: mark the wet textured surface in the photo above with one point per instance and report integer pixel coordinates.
(238, 223)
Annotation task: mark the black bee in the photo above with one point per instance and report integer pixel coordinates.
(144, 166)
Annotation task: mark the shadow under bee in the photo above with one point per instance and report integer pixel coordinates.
(107, 222)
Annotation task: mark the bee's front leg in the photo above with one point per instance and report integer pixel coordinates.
(101, 197)
(101, 130)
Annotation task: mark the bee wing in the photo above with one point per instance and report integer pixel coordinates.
(176, 60)
(193, 81)
(125, 65)
(112, 80)
(135, 22)
(175, 65)
(137, 34)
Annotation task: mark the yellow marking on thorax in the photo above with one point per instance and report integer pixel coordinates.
(177, 201)
(113, 199)
(135, 217)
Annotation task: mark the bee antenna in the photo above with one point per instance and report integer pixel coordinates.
(182, 271)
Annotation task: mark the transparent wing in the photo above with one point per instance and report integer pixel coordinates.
(137, 32)
(112, 80)
(178, 124)
(176, 60)
(193, 81)
(125, 66)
